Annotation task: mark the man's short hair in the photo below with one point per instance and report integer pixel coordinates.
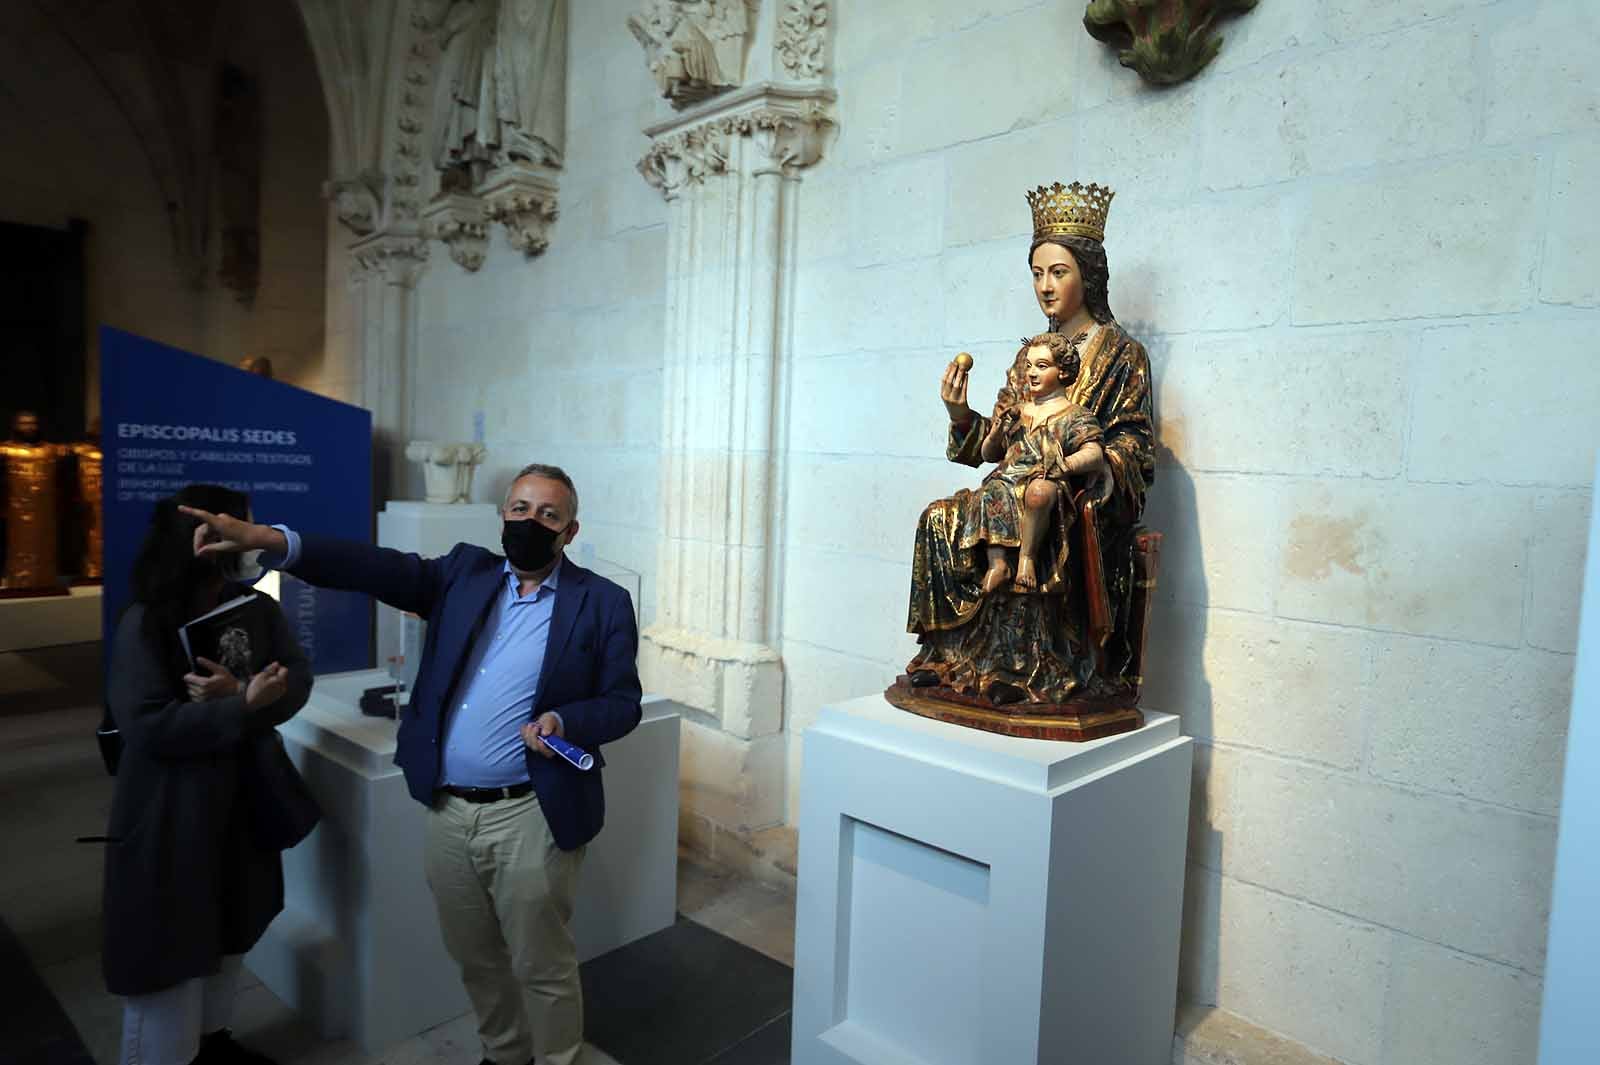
(549, 473)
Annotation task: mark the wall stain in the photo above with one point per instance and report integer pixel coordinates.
(1317, 543)
(1170, 439)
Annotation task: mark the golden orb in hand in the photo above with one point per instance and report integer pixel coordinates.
(963, 361)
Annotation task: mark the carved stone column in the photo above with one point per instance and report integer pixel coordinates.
(728, 168)
(384, 273)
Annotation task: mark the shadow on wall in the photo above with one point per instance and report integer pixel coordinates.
(1176, 680)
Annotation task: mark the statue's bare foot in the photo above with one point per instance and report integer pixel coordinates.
(1027, 580)
(999, 573)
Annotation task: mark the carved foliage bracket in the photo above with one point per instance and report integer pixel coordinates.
(789, 131)
(1165, 41)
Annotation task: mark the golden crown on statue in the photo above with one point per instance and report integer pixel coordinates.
(1075, 210)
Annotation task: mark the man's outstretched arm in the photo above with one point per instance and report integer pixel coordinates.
(404, 581)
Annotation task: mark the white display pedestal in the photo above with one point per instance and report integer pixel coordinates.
(432, 529)
(972, 898)
(357, 950)
(429, 530)
(48, 620)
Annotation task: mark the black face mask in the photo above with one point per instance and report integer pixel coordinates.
(529, 544)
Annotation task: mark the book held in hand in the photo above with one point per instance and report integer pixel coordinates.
(236, 635)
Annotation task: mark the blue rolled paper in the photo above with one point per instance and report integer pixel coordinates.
(576, 755)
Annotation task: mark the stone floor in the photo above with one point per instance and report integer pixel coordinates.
(53, 789)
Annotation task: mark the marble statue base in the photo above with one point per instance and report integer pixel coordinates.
(357, 950)
(967, 898)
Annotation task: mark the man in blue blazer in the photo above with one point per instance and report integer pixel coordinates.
(519, 647)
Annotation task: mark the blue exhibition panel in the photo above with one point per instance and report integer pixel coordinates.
(170, 418)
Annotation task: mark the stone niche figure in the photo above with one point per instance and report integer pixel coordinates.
(446, 469)
(32, 475)
(1030, 595)
(695, 47)
(500, 97)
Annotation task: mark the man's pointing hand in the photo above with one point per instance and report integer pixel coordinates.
(220, 534)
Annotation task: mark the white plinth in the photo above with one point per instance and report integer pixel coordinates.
(357, 951)
(432, 529)
(968, 899)
(429, 530)
(49, 620)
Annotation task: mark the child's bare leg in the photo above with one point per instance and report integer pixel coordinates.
(999, 571)
(1037, 502)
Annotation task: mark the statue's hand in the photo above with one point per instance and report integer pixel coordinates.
(1003, 420)
(953, 391)
(1101, 482)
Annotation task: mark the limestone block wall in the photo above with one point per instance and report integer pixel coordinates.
(559, 357)
(72, 153)
(1360, 252)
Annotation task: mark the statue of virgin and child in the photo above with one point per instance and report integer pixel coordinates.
(1030, 593)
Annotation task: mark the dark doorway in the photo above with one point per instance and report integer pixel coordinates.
(42, 349)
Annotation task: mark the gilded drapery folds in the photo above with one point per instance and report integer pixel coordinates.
(975, 641)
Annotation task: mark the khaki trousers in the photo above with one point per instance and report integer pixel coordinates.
(505, 892)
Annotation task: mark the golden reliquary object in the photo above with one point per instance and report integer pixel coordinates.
(88, 509)
(31, 469)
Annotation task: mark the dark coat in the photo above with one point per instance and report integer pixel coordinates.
(589, 677)
(185, 881)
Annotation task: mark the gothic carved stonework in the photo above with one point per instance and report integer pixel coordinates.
(695, 47)
(411, 120)
(522, 199)
(461, 224)
(397, 258)
(446, 469)
(447, 115)
(357, 201)
(490, 98)
(375, 71)
(730, 168)
(786, 129)
(1166, 41)
(802, 44)
(500, 94)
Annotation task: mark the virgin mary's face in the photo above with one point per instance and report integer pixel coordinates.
(1056, 281)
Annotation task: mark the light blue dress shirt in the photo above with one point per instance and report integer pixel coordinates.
(483, 745)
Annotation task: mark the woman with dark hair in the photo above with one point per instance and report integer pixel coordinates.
(187, 888)
(1050, 642)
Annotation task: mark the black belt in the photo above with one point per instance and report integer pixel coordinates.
(515, 791)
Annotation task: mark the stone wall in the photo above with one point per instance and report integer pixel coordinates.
(74, 154)
(1356, 249)
(559, 357)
